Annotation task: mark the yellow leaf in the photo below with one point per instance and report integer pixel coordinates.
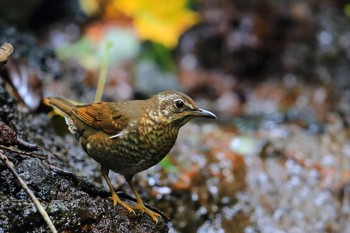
(159, 21)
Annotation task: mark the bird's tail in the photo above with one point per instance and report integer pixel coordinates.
(62, 104)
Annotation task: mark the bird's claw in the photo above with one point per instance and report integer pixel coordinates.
(151, 213)
(116, 200)
(142, 208)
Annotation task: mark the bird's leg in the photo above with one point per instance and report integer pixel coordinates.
(140, 206)
(114, 197)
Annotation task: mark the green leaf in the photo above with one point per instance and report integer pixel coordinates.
(168, 165)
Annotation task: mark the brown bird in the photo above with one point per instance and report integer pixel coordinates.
(128, 137)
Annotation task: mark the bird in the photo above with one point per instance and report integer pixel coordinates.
(129, 136)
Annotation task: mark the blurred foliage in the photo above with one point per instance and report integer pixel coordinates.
(168, 165)
(89, 7)
(159, 54)
(159, 21)
(89, 52)
(347, 9)
(80, 50)
(124, 23)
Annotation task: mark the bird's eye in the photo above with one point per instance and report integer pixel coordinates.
(179, 103)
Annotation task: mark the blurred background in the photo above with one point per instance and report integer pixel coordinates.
(276, 73)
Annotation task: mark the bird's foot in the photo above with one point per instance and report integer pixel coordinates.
(116, 200)
(144, 209)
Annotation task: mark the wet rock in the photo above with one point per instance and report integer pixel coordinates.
(7, 135)
(70, 208)
(8, 110)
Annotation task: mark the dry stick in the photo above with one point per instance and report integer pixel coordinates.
(15, 150)
(21, 152)
(38, 205)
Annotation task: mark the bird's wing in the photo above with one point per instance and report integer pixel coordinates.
(101, 116)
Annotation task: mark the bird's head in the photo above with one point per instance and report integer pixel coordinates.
(177, 108)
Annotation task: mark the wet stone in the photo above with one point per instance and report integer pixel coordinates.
(70, 209)
(7, 135)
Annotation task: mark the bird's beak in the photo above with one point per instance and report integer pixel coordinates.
(204, 113)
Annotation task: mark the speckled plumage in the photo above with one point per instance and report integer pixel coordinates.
(128, 137)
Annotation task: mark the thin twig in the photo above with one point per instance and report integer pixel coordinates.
(38, 205)
(15, 150)
(26, 145)
(24, 154)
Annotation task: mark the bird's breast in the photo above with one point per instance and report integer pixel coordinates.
(134, 150)
(157, 139)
